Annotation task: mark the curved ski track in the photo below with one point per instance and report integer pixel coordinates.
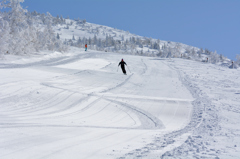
(66, 100)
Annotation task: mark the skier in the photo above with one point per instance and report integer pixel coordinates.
(122, 63)
(85, 47)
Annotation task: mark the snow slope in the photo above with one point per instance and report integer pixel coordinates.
(80, 105)
(123, 39)
(104, 38)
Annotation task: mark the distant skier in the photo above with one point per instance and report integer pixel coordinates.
(85, 47)
(122, 63)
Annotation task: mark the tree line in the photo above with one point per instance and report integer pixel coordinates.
(23, 32)
(20, 33)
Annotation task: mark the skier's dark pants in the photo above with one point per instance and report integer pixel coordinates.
(123, 69)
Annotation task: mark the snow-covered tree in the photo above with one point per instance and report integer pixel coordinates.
(89, 41)
(67, 26)
(159, 54)
(4, 36)
(73, 38)
(238, 59)
(207, 52)
(199, 53)
(122, 37)
(214, 57)
(156, 46)
(17, 24)
(188, 50)
(193, 53)
(58, 36)
(21, 35)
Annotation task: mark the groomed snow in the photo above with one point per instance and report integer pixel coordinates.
(80, 105)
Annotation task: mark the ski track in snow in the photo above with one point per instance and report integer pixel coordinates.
(49, 62)
(205, 138)
(161, 142)
(41, 105)
(80, 105)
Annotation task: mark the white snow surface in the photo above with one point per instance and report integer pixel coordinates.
(80, 105)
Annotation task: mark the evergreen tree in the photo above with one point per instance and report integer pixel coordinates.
(199, 54)
(238, 59)
(4, 38)
(58, 36)
(95, 40)
(122, 37)
(22, 31)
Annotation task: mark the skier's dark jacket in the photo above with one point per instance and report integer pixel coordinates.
(122, 63)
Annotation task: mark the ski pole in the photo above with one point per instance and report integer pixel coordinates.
(129, 69)
(117, 68)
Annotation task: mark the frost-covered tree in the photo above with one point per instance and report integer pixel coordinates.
(207, 52)
(100, 43)
(199, 53)
(188, 50)
(193, 53)
(67, 26)
(58, 36)
(89, 41)
(18, 26)
(238, 59)
(20, 32)
(159, 54)
(73, 38)
(140, 45)
(79, 42)
(4, 36)
(122, 37)
(156, 46)
(95, 40)
(214, 57)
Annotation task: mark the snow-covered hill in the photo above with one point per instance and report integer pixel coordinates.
(78, 33)
(80, 105)
(25, 33)
(176, 101)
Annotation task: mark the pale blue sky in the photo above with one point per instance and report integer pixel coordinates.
(212, 24)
